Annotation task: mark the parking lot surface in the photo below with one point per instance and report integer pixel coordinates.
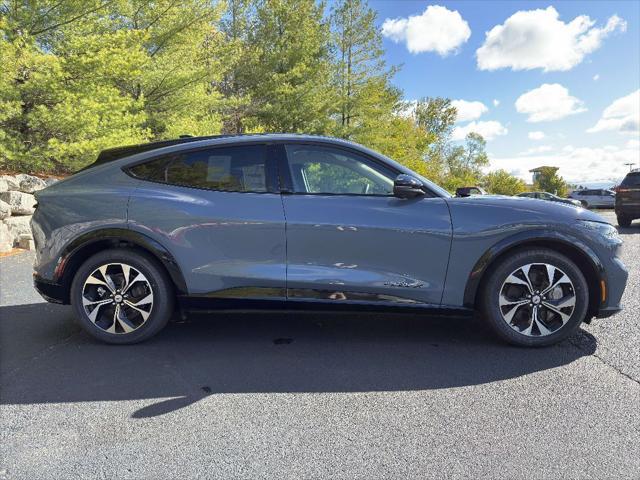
(308, 396)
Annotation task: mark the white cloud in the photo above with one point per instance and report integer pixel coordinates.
(550, 101)
(469, 110)
(596, 77)
(534, 150)
(539, 39)
(576, 165)
(437, 29)
(489, 130)
(623, 115)
(496, 102)
(536, 135)
(633, 144)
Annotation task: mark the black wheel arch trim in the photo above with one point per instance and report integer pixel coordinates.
(527, 238)
(118, 237)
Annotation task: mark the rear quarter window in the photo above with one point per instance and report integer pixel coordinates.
(631, 180)
(231, 169)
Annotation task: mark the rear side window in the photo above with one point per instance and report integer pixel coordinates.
(231, 169)
(631, 180)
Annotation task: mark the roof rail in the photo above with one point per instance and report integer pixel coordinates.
(116, 153)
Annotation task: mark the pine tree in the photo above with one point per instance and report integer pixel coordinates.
(290, 71)
(361, 76)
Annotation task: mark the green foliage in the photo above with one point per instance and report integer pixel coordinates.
(549, 181)
(79, 76)
(501, 182)
(84, 76)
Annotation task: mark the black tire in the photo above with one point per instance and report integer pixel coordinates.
(490, 294)
(584, 203)
(158, 282)
(623, 221)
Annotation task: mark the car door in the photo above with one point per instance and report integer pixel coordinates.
(350, 240)
(218, 211)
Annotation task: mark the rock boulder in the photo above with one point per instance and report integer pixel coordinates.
(21, 203)
(5, 210)
(18, 226)
(6, 239)
(12, 182)
(30, 184)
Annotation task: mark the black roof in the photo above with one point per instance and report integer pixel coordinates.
(116, 153)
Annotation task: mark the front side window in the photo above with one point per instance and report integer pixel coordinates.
(231, 169)
(327, 170)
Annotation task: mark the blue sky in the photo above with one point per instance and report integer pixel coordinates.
(586, 64)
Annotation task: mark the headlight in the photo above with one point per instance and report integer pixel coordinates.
(606, 230)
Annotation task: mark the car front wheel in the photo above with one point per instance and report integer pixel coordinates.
(122, 296)
(535, 297)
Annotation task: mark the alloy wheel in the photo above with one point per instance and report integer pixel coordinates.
(537, 299)
(117, 298)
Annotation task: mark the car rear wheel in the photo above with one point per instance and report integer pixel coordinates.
(122, 296)
(535, 297)
(623, 221)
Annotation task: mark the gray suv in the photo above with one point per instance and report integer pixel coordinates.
(301, 222)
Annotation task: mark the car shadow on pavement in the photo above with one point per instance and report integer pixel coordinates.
(45, 358)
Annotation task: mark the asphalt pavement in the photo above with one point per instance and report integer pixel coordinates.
(315, 396)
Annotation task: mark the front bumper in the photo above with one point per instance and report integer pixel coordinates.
(50, 291)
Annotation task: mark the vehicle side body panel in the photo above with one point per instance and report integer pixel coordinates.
(384, 249)
(221, 240)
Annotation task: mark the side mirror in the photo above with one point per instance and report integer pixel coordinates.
(406, 186)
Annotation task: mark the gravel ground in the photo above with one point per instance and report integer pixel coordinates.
(308, 396)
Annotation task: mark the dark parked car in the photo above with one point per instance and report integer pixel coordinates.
(469, 191)
(549, 197)
(291, 221)
(627, 206)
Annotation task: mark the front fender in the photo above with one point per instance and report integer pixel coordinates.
(542, 237)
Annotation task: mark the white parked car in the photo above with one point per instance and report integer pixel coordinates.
(595, 197)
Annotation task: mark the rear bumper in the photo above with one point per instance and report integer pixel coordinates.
(50, 291)
(608, 311)
(632, 210)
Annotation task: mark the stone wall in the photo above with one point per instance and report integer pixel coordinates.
(17, 204)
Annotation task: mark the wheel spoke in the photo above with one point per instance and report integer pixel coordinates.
(124, 322)
(126, 272)
(138, 278)
(527, 331)
(526, 269)
(564, 302)
(518, 281)
(92, 280)
(541, 326)
(108, 280)
(562, 279)
(511, 313)
(504, 301)
(551, 274)
(93, 316)
(563, 315)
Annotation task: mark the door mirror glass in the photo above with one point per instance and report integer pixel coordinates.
(406, 186)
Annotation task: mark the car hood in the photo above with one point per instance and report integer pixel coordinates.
(499, 209)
